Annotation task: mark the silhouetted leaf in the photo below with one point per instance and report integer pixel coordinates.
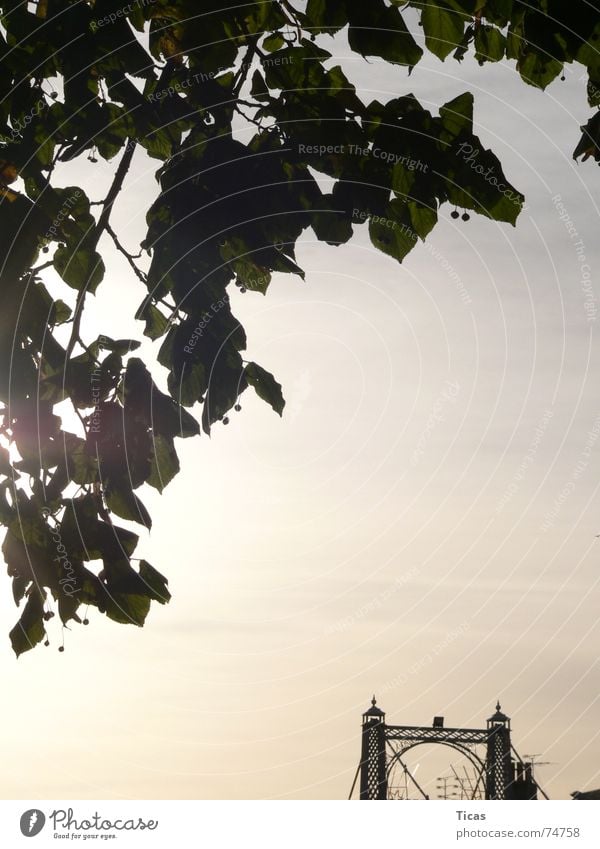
(29, 630)
(80, 269)
(156, 583)
(265, 386)
(443, 27)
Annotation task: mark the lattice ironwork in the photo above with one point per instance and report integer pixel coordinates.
(488, 749)
(415, 734)
(499, 779)
(373, 776)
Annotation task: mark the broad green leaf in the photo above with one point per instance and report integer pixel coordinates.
(127, 608)
(80, 269)
(323, 16)
(478, 183)
(589, 55)
(498, 12)
(423, 219)
(332, 226)
(190, 385)
(273, 42)
(392, 232)
(490, 44)
(250, 274)
(380, 30)
(457, 114)
(402, 180)
(118, 346)
(156, 583)
(29, 630)
(165, 463)
(121, 499)
(443, 28)
(539, 70)
(61, 312)
(265, 386)
(156, 322)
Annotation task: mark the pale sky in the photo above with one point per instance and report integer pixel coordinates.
(420, 524)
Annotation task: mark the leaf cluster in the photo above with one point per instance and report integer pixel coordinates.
(247, 116)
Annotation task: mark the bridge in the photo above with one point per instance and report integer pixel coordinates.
(499, 771)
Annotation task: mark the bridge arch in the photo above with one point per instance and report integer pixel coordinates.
(476, 761)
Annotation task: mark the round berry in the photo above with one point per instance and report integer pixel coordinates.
(466, 216)
(237, 408)
(86, 621)
(61, 648)
(454, 214)
(46, 642)
(225, 420)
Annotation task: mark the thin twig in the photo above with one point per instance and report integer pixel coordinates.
(42, 267)
(129, 257)
(241, 112)
(242, 73)
(103, 223)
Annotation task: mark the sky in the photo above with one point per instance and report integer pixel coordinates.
(420, 524)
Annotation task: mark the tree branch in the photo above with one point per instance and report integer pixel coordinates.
(129, 257)
(242, 73)
(101, 226)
